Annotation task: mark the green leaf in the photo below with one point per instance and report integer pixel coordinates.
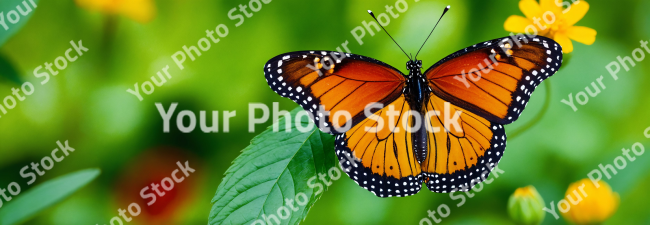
(274, 167)
(30, 203)
(8, 7)
(8, 71)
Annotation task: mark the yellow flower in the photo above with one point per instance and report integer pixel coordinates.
(525, 206)
(139, 10)
(597, 205)
(553, 21)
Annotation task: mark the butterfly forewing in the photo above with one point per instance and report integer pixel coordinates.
(340, 82)
(495, 79)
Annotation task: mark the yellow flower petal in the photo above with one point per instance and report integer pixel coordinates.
(516, 24)
(139, 10)
(576, 12)
(550, 5)
(564, 41)
(530, 8)
(581, 34)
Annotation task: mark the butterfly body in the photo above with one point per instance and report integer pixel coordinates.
(416, 93)
(461, 103)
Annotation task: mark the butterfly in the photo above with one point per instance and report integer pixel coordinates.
(461, 103)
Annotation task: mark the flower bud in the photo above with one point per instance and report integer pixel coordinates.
(597, 204)
(525, 206)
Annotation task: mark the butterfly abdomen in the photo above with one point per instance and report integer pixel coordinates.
(420, 141)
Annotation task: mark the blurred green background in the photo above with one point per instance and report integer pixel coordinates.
(88, 105)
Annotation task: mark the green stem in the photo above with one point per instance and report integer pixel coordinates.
(108, 36)
(539, 115)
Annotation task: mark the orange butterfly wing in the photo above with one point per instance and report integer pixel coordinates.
(379, 155)
(461, 154)
(495, 79)
(382, 162)
(489, 84)
(338, 81)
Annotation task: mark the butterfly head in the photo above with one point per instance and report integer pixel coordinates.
(412, 65)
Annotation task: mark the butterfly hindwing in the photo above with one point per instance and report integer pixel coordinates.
(495, 79)
(379, 155)
(462, 152)
(337, 81)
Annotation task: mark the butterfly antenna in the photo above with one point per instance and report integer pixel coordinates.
(382, 27)
(434, 27)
